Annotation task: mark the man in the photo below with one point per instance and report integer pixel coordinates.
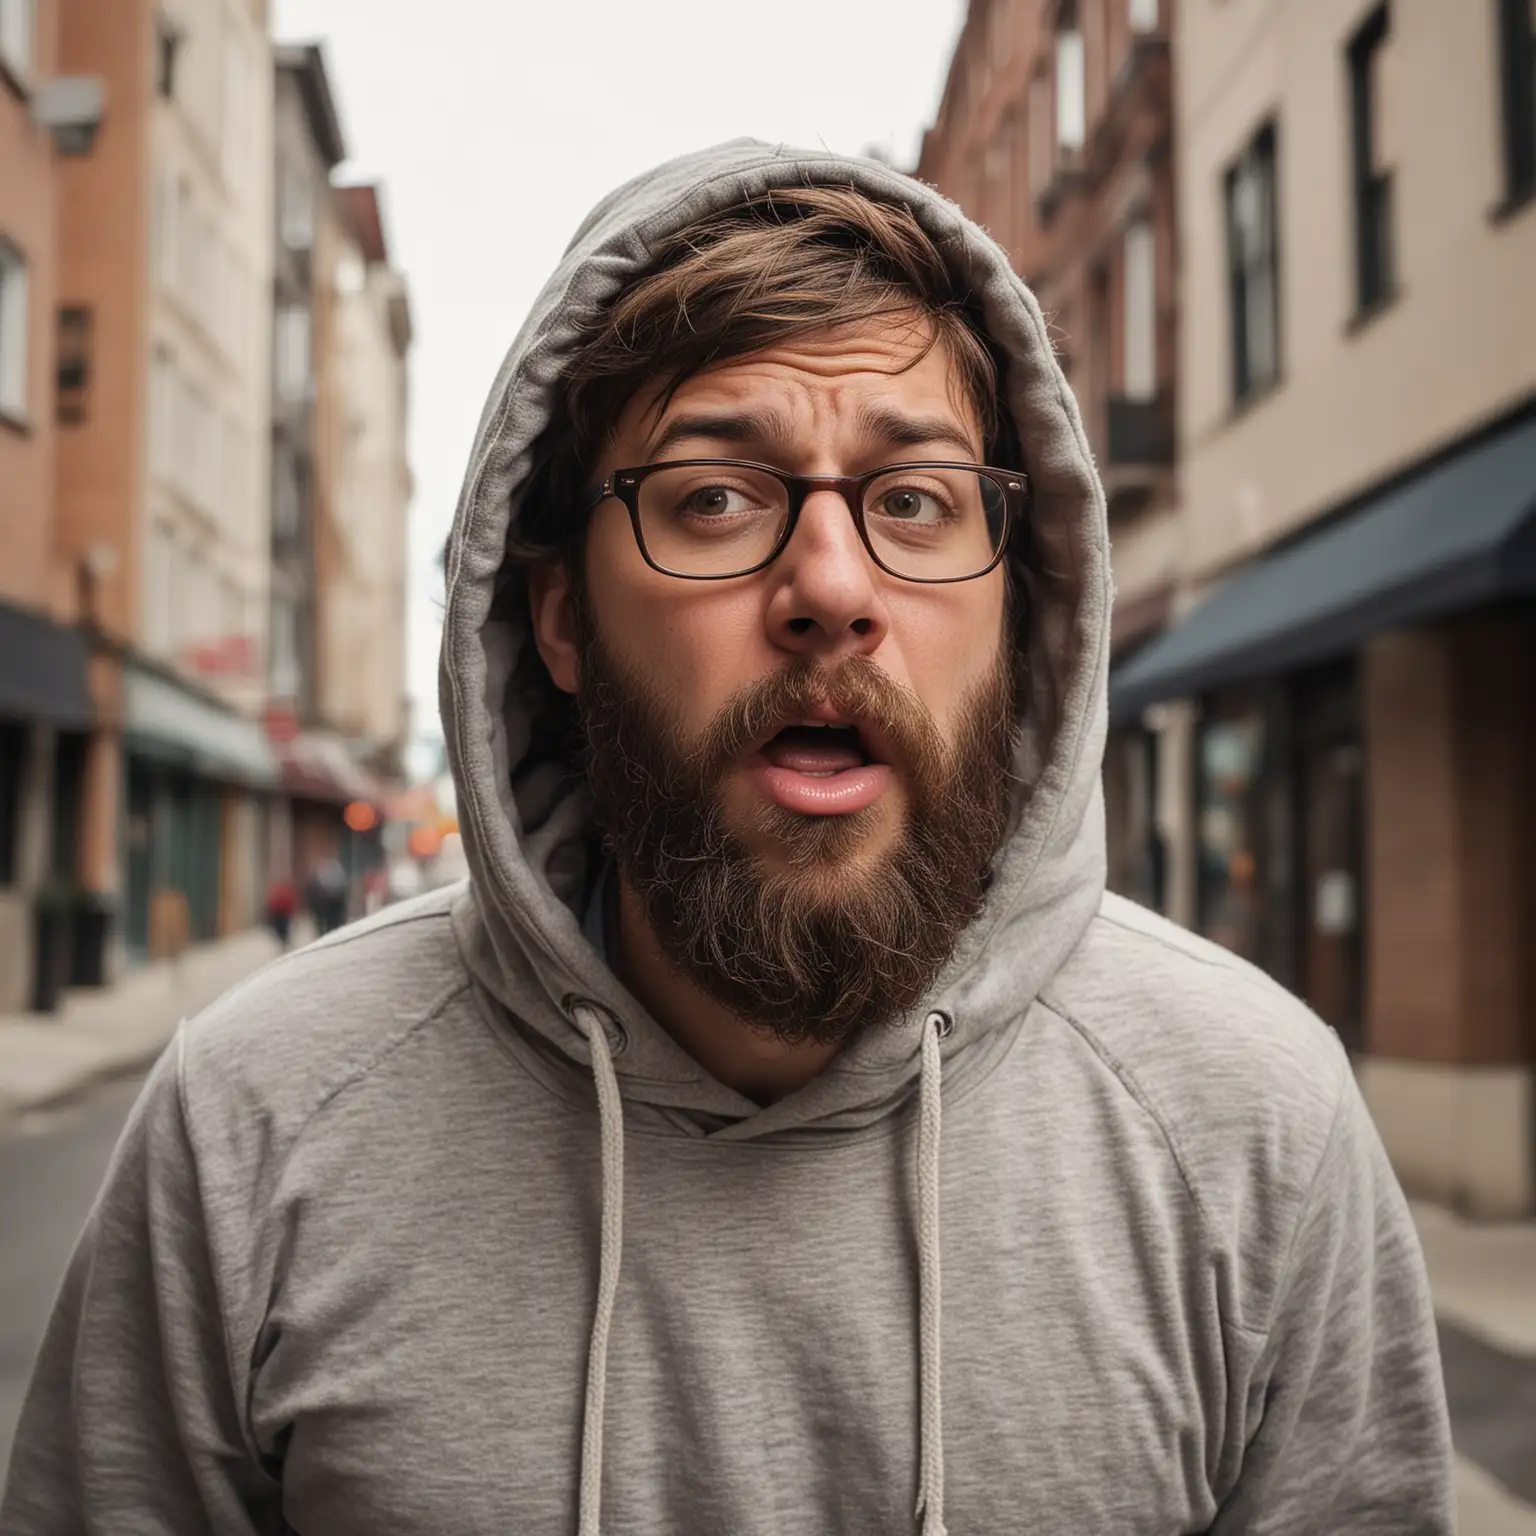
(614, 1190)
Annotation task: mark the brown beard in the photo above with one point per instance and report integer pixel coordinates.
(818, 951)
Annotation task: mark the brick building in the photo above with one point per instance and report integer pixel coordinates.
(45, 703)
(1054, 132)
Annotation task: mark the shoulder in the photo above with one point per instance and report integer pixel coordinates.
(1245, 1083)
(269, 1053)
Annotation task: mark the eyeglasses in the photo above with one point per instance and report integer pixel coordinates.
(711, 519)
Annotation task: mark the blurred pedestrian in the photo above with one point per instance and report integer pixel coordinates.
(614, 1190)
(326, 893)
(282, 903)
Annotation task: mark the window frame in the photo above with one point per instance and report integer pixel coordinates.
(1516, 32)
(1371, 189)
(1138, 310)
(18, 42)
(1260, 152)
(15, 329)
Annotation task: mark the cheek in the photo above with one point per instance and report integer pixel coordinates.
(949, 637)
(693, 643)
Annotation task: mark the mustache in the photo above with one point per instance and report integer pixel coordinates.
(856, 688)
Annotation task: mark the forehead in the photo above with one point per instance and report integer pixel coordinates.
(830, 375)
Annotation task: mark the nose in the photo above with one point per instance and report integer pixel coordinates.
(827, 600)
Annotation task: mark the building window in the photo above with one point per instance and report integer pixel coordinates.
(159, 589)
(13, 769)
(17, 33)
(1142, 15)
(1253, 266)
(285, 493)
(284, 650)
(1071, 105)
(1517, 56)
(168, 40)
(162, 411)
(13, 331)
(1140, 277)
(1042, 137)
(290, 366)
(1229, 830)
(74, 365)
(1374, 268)
(297, 214)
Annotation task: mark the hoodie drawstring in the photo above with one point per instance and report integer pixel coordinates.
(610, 1114)
(610, 1117)
(930, 1485)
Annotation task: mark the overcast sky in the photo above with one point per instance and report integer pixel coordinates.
(496, 124)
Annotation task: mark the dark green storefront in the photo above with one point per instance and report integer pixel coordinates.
(182, 755)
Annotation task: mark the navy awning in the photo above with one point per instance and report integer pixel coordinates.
(1454, 536)
(43, 671)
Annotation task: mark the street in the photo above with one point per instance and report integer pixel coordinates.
(51, 1166)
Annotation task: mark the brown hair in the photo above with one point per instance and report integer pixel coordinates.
(781, 265)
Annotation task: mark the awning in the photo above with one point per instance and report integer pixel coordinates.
(173, 726)
(319, 767)
(1451, 537)
(43, 671)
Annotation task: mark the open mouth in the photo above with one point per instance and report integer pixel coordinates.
(821, 767)
(820, 750)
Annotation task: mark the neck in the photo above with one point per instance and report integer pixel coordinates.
(753, 1063)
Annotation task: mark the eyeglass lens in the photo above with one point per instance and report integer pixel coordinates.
(931, 523)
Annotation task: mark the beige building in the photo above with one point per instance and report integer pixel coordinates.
(1346, 708)
(362, 595)
(206, 544)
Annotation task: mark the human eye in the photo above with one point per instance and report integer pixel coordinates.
(716, 500)
(911, 503)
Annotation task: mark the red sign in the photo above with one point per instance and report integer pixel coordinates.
(282, 723)
(228, 656)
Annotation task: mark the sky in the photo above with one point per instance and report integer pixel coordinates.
(496, 124)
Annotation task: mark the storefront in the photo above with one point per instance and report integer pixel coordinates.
(46, 713)
(332, 809)
(1278, 831)
(196, 776)
(1360, 763)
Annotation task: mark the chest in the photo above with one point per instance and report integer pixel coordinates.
(425, 1371)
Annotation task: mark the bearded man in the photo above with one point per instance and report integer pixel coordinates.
(613, 1190)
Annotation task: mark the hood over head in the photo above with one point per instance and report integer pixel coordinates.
(526, 823)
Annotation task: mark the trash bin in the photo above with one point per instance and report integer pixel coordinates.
(51, 928)
(92, 927)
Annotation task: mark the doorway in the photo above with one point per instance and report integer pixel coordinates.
(1331, 828)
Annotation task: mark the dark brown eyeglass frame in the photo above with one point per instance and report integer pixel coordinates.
(625, 485)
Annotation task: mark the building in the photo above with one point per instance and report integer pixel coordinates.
(1346, 705)
(364, 614)
(1055, 132)
(46, 712)
(162, 452)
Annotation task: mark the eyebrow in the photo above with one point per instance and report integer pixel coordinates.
(772, 429)
(899, 430)
(766, 428)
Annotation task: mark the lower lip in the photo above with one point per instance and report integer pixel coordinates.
(834, 794)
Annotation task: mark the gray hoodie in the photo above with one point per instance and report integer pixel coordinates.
(431, 1229)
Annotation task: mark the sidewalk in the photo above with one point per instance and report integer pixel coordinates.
(48, 1058)
(1483, 1276)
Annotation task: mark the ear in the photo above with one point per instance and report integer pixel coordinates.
(551, 605)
